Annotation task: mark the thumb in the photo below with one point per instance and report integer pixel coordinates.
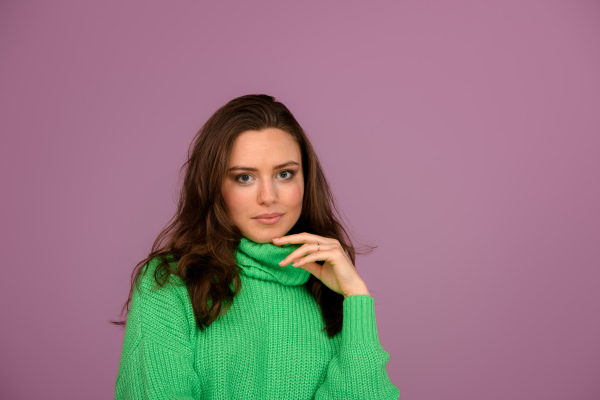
(313, 268)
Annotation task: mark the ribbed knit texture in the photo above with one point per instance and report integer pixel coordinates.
(261, 261)
(269, 345)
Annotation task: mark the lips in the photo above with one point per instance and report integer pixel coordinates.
(268, 219)
(262, 216)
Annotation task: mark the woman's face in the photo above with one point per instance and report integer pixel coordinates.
(264, 177)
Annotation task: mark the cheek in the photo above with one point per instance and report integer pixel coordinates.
(294, 195)
(235, 201)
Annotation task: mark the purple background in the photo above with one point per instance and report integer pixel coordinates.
(461, 137)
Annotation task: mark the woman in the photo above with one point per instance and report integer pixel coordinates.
(245, 299)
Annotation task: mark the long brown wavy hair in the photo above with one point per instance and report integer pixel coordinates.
(201, 238)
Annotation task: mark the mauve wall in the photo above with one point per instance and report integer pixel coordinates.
(462, 138)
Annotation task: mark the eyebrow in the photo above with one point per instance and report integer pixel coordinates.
(242, 168)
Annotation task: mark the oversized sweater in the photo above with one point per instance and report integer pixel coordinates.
(270, 344)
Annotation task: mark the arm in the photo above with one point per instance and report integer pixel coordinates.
(157, 356)
(358, 371)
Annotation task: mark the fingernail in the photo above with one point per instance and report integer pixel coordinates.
(281, 262)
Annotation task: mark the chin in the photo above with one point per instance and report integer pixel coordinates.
(264, 236)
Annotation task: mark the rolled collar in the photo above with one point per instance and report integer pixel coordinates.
(261, 261)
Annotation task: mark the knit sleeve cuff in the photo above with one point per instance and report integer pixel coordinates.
(359, 323)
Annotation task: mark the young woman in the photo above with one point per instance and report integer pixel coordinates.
(251, 291)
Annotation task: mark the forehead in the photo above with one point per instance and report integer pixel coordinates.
(269, 146)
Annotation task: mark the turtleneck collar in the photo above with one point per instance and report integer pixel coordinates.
(261, 261)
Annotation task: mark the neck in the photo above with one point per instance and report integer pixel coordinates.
(261, 261)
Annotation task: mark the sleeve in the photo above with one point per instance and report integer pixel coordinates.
(158, 352)
(358, 371)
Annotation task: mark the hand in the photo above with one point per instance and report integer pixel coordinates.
(337, 273)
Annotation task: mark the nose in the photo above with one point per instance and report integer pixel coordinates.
(267, 192)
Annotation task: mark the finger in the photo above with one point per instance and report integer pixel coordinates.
(301, 238)
(313, 268)
(305, 249)
(322, 255)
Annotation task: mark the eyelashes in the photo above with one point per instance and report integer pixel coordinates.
(289, 172)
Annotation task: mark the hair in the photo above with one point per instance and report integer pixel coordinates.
(201, 238)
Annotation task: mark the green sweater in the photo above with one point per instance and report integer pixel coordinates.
(268, 345)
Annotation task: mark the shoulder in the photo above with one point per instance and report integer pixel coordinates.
(158, 269)
(160, 313)
(158, 289)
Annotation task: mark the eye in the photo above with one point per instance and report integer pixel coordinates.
(291, 174)
(237, 178)
(244, 178)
